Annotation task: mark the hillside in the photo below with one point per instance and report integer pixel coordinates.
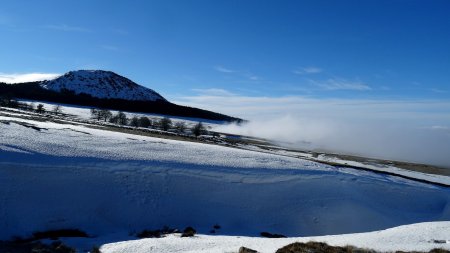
(130, 183)
(104, 89)
(101, 84)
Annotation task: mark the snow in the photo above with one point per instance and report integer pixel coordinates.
(440, 179)
(416, 237)
(111, 184)
(84, 113)
(101, 84)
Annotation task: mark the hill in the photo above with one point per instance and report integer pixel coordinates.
(104, 89)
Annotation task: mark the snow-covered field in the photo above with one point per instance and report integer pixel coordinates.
(416, 237)
(55, 176)
(84, 113)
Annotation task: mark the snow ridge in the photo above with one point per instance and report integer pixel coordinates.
(101, 84)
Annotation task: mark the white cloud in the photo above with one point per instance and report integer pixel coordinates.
(341, 84)
(213, 92)
(440, 128)
(28, 77)
(67, 28)
(391, 129)
(253, 77)
(307, 70)
(223, 69)
(438, 90)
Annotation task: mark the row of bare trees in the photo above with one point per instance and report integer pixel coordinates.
(40, 108)
(164, 124)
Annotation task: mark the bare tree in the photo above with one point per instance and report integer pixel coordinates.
(144, 122)
(95, 114)
(104, 114)
(122, 118)
(57, 109)
(134, 121)
(40, 108)
(198, 129)
(101, 114)
(165, 123)
(180, 126)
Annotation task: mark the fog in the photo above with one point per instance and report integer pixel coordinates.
(369, 139)
(405, 130)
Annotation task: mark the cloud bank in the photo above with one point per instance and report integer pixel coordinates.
(406, 130)
(27, 77)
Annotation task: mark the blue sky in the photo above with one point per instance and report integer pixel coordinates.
(340, 71)
(339, 49)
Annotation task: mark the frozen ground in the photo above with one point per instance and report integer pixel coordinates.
(55, 176)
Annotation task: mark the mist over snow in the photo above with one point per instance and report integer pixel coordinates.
(406, 130)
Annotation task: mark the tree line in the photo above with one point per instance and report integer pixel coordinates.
(33, 91)
(165, 124)
(12, 103)
(120, 118)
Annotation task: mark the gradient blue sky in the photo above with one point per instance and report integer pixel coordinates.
(370, 77)
(338, 49)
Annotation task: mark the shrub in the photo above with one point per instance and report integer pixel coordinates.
(298, 247)
(188, 232)
(149, 234)
(270, 235)
(158, 233)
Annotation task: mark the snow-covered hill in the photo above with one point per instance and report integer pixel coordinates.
(112, 184)
(415, 237)
(101, 84)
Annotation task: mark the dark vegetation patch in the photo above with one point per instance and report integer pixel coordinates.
(55, 234)
(320, 247)
(34, 247)
(52, 235)
(157, 233)
(270, 235)
(247, 250)
(188, 232)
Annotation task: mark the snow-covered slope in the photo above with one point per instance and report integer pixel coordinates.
(415, 237)
(55, 176)
(101, 84)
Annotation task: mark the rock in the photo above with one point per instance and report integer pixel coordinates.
(246, 250)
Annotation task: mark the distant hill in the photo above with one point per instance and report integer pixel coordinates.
(104, 89)
(101, 84)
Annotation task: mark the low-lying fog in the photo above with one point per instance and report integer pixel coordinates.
(406, 130)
